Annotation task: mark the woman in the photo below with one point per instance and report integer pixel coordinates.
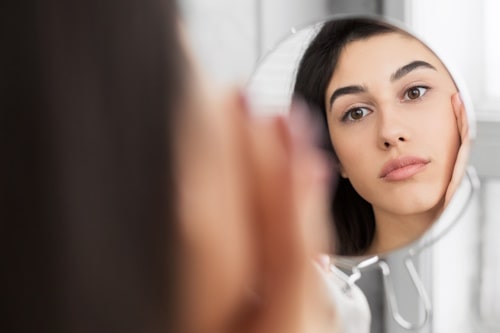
(391, 109)
(132, 203)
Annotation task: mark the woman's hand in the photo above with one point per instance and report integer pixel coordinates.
(464, 150)
(254, 214)
(290, 193)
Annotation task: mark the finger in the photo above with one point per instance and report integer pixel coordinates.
(280, 252)
(312, 180)
(460, 115)
(463, 152)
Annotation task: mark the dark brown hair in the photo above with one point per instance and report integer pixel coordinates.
(353, 216)
(88, 93)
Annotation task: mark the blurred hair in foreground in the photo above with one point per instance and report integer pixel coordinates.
(88, 89)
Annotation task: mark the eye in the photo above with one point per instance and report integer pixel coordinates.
(355, 114)
(415, 93)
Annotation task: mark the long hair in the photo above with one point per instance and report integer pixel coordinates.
(88, 91)
(353, 216)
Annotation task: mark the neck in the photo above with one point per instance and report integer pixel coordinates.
(395, 231)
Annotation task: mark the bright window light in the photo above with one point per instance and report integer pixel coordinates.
(492, 49)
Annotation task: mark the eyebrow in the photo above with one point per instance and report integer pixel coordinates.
(410, 67)
(346, 91)
(398, 74)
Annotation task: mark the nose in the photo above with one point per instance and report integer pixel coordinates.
(392, 130)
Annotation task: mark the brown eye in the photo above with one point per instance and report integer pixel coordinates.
(415, 92)
(355, 114)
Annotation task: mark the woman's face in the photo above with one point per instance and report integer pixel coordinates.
(392, 124)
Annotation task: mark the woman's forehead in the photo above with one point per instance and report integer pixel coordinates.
(381, 56)
(385, 48)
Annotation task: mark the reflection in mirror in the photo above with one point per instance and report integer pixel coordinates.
(397, 127)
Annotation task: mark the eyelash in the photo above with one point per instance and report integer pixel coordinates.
(346, 117)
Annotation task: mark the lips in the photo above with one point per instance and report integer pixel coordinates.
(402, 168)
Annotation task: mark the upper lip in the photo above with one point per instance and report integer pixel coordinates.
(401, 162)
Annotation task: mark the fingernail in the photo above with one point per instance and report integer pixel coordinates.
(324, 261)
(458, 99)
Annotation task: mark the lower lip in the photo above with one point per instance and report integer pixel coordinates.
(404, 172)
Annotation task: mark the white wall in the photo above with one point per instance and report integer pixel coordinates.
(223, 35)
(229, 36)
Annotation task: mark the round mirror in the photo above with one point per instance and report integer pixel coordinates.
(397, 122)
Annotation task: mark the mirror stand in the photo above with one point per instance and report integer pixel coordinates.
(390, 294)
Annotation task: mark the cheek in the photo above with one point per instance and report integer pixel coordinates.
(440, 131)
(358, 161)
(353, 152)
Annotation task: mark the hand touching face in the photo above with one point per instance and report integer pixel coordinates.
(392, 124)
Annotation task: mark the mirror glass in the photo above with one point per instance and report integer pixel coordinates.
(392, 115)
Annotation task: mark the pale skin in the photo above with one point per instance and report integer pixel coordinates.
(253, 217)
(391, 99)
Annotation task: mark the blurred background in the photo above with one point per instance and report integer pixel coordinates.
(461, 271)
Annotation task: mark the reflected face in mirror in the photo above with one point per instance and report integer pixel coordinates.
(393, 128)
(387, 101)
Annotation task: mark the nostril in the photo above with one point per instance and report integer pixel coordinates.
(387, 144)
(401, 138)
